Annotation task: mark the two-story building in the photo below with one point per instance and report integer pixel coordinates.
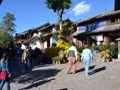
(41, 37)
(99, 29)
(36, 37)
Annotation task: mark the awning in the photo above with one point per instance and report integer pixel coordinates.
(102, 29)
(78, 32)
(111, 28)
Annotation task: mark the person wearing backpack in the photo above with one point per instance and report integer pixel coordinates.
(5, 74)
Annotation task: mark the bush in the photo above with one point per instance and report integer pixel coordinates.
(63, 45)
(113, 50)
(95, 47)
(56, 59)
(104, 47)
(80, 49)
(53, 51)
(105, 54)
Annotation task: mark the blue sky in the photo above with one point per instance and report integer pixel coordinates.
(33, 13)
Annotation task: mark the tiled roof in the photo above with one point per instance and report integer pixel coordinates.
(106, 14)
(103, 29)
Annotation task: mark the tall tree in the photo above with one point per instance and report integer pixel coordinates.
(58, 6)
(7, 23)
(7, 28)
(5, 39)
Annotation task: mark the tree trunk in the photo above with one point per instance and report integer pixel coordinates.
(60, 23)
(60, 19)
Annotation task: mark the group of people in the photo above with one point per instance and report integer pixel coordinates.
(72, 56)
(15, 55)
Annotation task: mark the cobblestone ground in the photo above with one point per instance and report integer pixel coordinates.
(103, 76)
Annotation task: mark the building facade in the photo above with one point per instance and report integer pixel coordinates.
(100, 29)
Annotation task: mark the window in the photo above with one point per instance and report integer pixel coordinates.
(100, 23)
(83, 27)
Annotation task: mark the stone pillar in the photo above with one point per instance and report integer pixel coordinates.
(105, 40)
(118, 47)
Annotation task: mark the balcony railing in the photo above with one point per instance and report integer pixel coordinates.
(115, 23)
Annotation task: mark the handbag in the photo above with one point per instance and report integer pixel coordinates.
(22, 61)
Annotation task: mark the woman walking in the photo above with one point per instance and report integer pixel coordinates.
(4, 74)
(86, 57)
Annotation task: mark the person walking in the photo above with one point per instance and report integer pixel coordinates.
(72, 56)
(18, 54)
(26, 58)
(86, 57)
(5, 74)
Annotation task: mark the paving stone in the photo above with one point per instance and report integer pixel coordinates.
(103, 76)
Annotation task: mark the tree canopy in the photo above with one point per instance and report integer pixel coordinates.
(7, 23)
(7, 28)
(58, 6)
(5, 39)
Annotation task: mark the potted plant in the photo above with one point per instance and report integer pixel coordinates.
(105, 55)
(56, 60)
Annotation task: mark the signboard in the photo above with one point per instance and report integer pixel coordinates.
(99, 38)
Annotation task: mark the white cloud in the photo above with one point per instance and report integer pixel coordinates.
(81, 8)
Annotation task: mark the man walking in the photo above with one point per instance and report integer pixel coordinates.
(72, 56)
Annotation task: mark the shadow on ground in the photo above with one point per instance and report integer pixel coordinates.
(83, 69)
(34, 78)
(97, 70)
(41, 65)
(37, 84)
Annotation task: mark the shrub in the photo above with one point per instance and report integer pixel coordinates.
(53, 51)
(113, 50)
(95, 47)
(57, 50)
(56, 59)
(105, 54)
(104, 47)
(80, 49)
(63, 45)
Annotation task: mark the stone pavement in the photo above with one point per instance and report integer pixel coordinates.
(103, 76)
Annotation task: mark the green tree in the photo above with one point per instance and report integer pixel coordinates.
(58, 6)
(5, 39)
(7, 29)
(7, 23)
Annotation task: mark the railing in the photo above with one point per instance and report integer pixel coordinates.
(92, 28)
(114, 23)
